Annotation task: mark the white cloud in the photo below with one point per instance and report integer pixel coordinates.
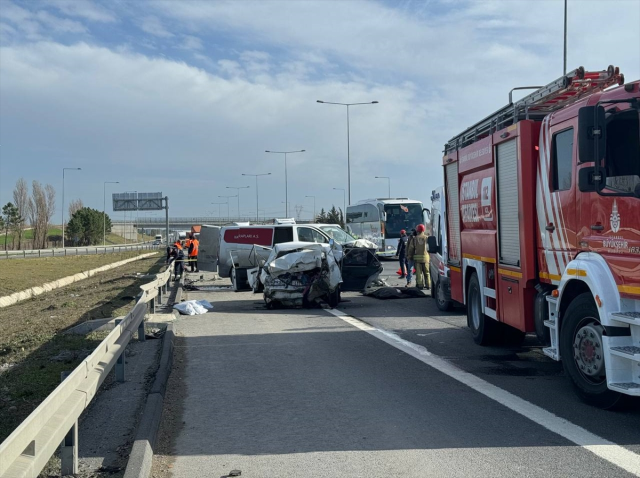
(153, 26)
(128, 116)
(83, 9)
(59, 24)
(190, 42)
(435, 68)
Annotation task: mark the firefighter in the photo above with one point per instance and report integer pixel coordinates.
(410, 261)
(193, 253)
(417, 252)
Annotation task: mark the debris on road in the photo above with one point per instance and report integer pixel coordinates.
(193, 307)
(385, 293)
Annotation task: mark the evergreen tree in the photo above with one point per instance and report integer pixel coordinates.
(10, 220)
(86, 227)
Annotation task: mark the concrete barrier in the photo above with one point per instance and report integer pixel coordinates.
(56, 284)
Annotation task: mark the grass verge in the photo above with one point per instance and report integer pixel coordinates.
(21, 274)
(33, 351)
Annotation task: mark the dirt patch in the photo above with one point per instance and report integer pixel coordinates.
(20, 274)
(172, 412)
(33, 351)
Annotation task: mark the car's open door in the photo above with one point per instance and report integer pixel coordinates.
(359, 266)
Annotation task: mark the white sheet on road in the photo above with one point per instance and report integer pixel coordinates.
(193, 307)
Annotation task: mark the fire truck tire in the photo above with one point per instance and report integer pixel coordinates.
(439, 296)
(482, 327)
(580, 341)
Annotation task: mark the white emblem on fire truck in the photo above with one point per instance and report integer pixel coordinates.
(615, 218)
(485, 199)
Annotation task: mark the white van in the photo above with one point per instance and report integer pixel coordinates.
(438, 269)
(228, 250)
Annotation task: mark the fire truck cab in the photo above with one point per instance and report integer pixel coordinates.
(543, 223)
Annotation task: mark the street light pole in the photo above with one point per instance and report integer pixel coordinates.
(286, 185)
(63, 170)
(564, 56)
(344, 205)
(228, 214)
(125, 215)
(104, 210)
(218, 203)
(238, 194)
(388, 184)
(348, 139)
(256, 176)
(314, 207)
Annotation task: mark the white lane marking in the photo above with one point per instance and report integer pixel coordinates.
(599, 446)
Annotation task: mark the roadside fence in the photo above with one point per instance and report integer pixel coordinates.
(78, 251)
(55, 422)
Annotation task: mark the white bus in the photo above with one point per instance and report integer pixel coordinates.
(381, 220)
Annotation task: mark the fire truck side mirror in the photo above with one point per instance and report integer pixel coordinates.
(586, 180)
(591, 134)
(432, 245)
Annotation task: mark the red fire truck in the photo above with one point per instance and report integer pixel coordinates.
(544, 227)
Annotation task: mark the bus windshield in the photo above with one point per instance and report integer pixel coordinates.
(401, 216)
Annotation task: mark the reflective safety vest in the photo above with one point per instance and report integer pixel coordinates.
(194, 251)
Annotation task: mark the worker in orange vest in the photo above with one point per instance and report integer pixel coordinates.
(193, 253)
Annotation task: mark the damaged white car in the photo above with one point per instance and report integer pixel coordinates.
(303, 274)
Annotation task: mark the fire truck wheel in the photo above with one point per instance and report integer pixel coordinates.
(441, 299)
(481, 326)
(582, 350)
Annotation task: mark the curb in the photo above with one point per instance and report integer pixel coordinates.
(141, 456)
(56, 284)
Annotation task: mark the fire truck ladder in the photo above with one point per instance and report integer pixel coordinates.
(567, 89)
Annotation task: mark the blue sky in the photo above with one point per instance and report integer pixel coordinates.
(184, 97)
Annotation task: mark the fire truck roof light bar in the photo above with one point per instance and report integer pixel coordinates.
(567, 89)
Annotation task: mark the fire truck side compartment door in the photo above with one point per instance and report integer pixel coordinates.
(508, 203)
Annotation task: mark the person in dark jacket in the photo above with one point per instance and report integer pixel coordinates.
(177, 255)
(402, 253)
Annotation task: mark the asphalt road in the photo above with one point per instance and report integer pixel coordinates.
(378, 389)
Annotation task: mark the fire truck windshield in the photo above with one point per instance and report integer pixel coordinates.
(622, 161)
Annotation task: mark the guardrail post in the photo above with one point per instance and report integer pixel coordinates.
(153, 305)
(160, 295)
(69, 446)
(141, 332)
(120, 362)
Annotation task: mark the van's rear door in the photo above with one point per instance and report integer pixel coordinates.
(209, 248)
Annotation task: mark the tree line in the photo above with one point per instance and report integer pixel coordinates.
(332, 216)
(34, 210)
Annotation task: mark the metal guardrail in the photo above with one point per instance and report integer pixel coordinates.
(77, 251)
(32, 444)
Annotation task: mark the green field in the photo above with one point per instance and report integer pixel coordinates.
(21, 274)
(28, 235)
